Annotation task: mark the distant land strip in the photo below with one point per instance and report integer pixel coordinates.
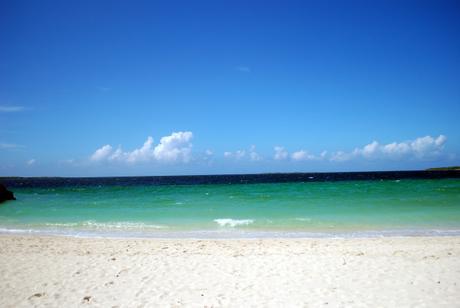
(453, 168)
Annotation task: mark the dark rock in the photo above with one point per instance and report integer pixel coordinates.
(86, 298)
(5, 194)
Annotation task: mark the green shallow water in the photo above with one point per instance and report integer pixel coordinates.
(280, 207)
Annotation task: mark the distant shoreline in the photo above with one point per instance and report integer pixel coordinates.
(453, 168)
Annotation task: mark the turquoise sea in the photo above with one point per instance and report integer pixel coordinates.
(302, 209)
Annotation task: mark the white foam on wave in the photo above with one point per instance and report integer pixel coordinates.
(14, 230)
(302, 219)
(106, 225)
(233, 234)
(224, 222)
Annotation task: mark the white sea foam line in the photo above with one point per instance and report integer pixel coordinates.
(106, 225)
(302, 219)
(235, 234)
(223, 222)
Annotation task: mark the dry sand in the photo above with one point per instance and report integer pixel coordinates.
(383, 272)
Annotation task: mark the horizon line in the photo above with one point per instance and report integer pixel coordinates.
(455, 169)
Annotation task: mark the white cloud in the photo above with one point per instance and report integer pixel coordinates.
(340, 156)
(428, 145)
(240, 154)
(30, 162)
(118, 155)
(369, 150)
(253, 155)
(302, 155)
(144, 153)
(396, 148)
(420, 148)
(208, 156)
(280, 153)
(102, 153)
(177, 146)
(299, 155)
(4, 108)
(172, 148)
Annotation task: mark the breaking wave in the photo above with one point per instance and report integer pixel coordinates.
(228, 222)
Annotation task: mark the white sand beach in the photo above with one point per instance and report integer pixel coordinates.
(385, 272)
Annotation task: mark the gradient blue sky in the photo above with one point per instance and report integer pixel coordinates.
(320, 80)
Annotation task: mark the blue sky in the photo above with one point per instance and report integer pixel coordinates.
(230, 86)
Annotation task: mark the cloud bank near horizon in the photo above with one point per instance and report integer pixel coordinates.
(251, 154)
(421, 148)
(177, 148)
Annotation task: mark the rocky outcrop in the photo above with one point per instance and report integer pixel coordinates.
(5, 194)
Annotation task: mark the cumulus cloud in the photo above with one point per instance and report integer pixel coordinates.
(31, 162)
(303, 155)
(228, 154)
(102, 153)
(368, 150)
(177, 147)
(207, 156)
(254, 156)
(172, 148)
(428, 145)
(6, 109)
(144, 153)
(239, 154)
(420, 148)
(280, 153)
(340, 156)
(251, 154)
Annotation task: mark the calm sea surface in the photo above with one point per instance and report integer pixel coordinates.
(309, 206)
